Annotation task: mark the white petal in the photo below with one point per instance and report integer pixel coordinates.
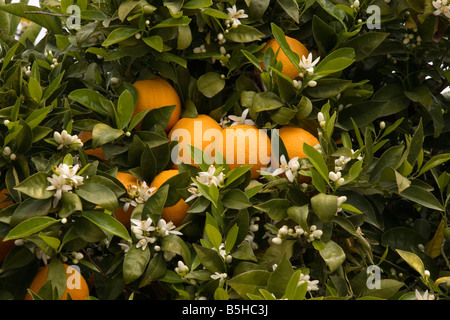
(278, 172)
(290, 175)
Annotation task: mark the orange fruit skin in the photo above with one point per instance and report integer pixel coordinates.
(293, 139)
(3, 195)
(40, 279)
(178, 211)
(200, 136)
(97, 152)
(120, 214)
(157, 93)
(246, 139)
(289, 69)
(5, 246)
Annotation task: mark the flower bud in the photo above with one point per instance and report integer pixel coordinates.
(277, 240)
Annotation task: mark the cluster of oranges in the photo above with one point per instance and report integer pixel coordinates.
(157, 93)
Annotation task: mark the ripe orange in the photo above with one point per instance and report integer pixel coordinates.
(120, 214)
(77, 289)
(178, 211)
(289, 69)
(3, 195)
(293, 139)
(200, 132)
(97, 152)
(5, 247)
(246, 145)
(156, 93)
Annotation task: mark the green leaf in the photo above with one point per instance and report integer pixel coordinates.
(279, 278)
(35, 89)
(401, 238)
(125, 8)
(70, 203)
(51, 241)
(209, 258)
(35, 186)
(332, 10)
(276, 209)
(336, 61)
(324, 35)
(244, 34)
(30, 207)
(280, 37)
(317, 160)
(236, 173)
(215, 13)
(125, 109)
(214, 236)
(231, 238)
(118, 35)
(29, 227)
(210, 84)
(294, 291)
(37, 116)
(434, 162)
(265, 101)
(422, 197)
(390, 158)
(291, 8)
(108, 223)
(98, 194)
(333, 255)
(155, 204)
(249, 282)
(103, 134)
(388, 287)
(50, 23)
(155, 42)
(365, 44)
(420, 94)
(134, 263)
(236, 199)
(93, 100)
(176, 245)
(173, 22)
(299, 215)
(197, 4)
(324, 206)
(413, 260)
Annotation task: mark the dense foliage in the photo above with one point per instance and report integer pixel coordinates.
(373, 222)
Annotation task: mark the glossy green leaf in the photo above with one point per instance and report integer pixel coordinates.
(333, 255)
(98, 194)
(244, 34)
(210, 84)
(29, 227)
(107, 223)
(92, 100)
(276, 209)
(103, 134)
(125, 109)
(134, 263)
(118, 35)
(413, 260)
(324, 206)
(35, 186)
(249, 282)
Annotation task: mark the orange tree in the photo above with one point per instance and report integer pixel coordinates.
(370, 222)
